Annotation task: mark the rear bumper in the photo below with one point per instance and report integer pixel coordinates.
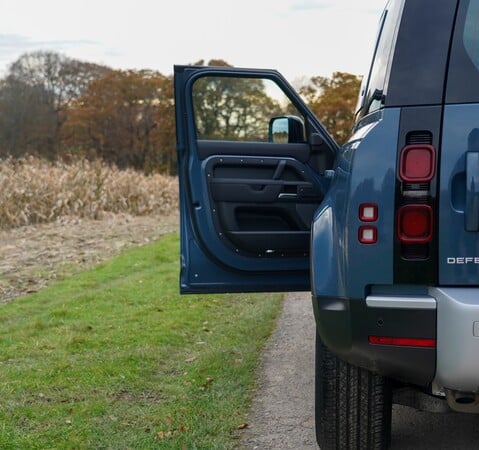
(346, 325)
(457, 338)
(448, 316)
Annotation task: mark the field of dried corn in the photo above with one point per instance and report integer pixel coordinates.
(58, 219)
(34, 191)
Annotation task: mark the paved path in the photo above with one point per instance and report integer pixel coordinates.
(282, 415)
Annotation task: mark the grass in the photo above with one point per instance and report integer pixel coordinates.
(114, 358)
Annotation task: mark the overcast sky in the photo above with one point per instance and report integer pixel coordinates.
(296, 37)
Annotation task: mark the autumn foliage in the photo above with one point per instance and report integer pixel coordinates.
(56, 107)
(126, 118)
(333, 101)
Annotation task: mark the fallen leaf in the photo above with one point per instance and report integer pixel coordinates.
(205, 385)
(161, 435)
(242, 426)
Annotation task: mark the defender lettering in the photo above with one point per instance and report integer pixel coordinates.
(463, 260)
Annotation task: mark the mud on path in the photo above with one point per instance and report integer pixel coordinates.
(33, 256)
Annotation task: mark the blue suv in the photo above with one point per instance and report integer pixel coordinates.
(382, 230)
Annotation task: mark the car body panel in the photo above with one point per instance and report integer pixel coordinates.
(338, 258)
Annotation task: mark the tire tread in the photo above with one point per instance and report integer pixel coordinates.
(353, 405)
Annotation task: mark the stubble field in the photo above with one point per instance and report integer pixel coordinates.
(57, 219)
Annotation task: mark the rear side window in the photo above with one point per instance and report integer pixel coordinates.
(419, 64)
(463, 80)
(471, 32)
(375, 86)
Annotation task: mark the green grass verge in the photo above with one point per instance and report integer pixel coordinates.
(114, 358)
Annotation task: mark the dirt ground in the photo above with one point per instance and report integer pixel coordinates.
(33, 256)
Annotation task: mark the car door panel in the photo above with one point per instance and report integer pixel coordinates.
(262, 203)
(246, 206)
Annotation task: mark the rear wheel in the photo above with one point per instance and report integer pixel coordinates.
(353, 405)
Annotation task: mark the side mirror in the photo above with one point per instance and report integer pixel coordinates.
(286, 129)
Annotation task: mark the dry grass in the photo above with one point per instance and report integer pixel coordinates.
(35, 191)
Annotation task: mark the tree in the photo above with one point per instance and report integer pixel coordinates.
(232, 108)
(333, 101)
(39, 88)
(23, 117)
(126, 118)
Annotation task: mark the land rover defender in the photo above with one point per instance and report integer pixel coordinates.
(384, 230)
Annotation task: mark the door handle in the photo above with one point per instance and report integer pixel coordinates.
(284, 195)
(472, 191)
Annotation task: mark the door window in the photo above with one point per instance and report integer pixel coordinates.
(242, 109)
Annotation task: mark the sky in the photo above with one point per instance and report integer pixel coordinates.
(300, 38)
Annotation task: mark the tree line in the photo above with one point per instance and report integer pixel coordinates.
(54, 106)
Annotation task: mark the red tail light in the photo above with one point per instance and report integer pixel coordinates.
(417, 163)
(402, 342)
(415, 224)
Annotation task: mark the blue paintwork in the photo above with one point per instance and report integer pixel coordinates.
(458, 248)
(207, 264)
(341, 266)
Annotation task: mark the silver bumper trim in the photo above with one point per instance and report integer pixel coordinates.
(377, 301)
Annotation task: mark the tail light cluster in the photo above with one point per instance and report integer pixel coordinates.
(415, 214)
(415, 218)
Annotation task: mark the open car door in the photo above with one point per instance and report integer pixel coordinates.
(252, 166)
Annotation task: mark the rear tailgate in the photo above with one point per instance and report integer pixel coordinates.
(459, 199)
(459, 168)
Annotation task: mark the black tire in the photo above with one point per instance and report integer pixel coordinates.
(353, 405)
